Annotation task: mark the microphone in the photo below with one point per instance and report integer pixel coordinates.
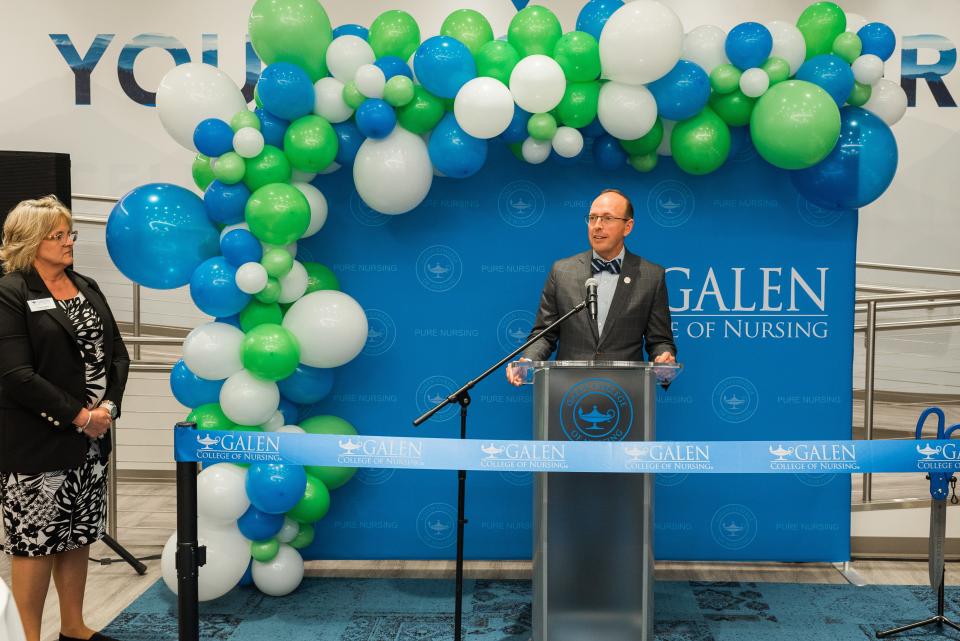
(591, 285)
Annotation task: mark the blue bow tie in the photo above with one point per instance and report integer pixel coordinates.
(599, 265)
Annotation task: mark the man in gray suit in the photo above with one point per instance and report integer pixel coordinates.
(633, 312)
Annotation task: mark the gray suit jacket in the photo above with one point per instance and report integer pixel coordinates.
(639, 314)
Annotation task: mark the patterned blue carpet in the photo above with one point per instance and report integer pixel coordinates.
(421, 610)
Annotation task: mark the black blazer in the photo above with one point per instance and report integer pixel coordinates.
(42, 377)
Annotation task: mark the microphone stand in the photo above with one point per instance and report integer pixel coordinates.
(462, 398)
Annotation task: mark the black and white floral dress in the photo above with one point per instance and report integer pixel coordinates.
(63, 510)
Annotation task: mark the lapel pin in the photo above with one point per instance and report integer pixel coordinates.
(626, 279)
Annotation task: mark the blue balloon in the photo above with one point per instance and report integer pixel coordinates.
(213, 137)
(830, 72)
(608, 154)
(454, 152)
(259, 526)
(247, 578)
(375, 118)
(748, 45)
(351, 29)
(232, 319)
(272, 127)
(858, 170)
(878, 39)
(349, 139)
(517, 129)
(225, 203)
(190, 389)
(393, 66)
(158, 234)
(593, 130)
(683, 92)
(275, 488)
(595, 14)
(213, 288)
(286, 90)
(443, 65)
(290, 411)
(307, 384)
(239, 246)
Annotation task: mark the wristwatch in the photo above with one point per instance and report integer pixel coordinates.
(111, 407)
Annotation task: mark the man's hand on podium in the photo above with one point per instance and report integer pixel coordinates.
(513, 374)
(665, 358)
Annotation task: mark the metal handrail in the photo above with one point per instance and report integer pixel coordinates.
(909, 269)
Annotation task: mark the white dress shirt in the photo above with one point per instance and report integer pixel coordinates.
(607, 285)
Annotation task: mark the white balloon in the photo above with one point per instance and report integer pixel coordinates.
(867, 69)
(222, 492)
(248, 400)
(370, 81)
(626, 111)
(535, 151)
(248, 142)
(640, 42)
(228, 555)
(567, 142)
(393, 174)
(330, 326)
(346, 54)
(229, 228)
(292, 429)
(537, 83)
(664, 148)
(297, 176)
(294, 284)
(192, 92)
(318, 207)
(274, 423)
(855, 22)
(484, 107)
(705, 46)
(251, 278)
(328, 100)
(212, 351)
(332, 167)
(887, 100)
(281, 575)
(754, 82)
(290, 528)
(788, 43)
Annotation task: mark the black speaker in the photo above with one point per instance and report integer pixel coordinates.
(32, 174)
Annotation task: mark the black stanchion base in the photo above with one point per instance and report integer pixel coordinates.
(124, 556)
(936, 620)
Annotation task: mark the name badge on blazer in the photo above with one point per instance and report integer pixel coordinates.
(40, 304)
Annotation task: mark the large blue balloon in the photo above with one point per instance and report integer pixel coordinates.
(239, 246)
(858, 170)
(375, 118)
(190, 389)
(290, 411)
(683, 92)
(257, 525)
(748, 45)
(443, 65)
(213, 288)
(608, 154)
(454, 152)
(286, 91)
(307, 384)
(349, 139)
(213, 137)
(158, 234)
(275, 488)
(393, 66)
(272, 127)
(878, 39)
(595, 14)
(351, 29)
(225, 203)
(517, 129)
(830, 72)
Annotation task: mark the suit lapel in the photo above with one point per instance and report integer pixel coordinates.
(39, 290)
(630, 269)
(584, 274)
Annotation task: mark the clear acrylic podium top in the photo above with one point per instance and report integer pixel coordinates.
(664, 372)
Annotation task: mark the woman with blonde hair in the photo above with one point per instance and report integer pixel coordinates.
(63, 367)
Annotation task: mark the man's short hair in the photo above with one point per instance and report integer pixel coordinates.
(629, 210)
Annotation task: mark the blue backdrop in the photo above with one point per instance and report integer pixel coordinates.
(762, 287)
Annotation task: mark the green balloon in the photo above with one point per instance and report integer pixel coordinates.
(542, 126)
(534, 30)
(257, 313)
(795, 124)
(398, 91)
(315, 502)
(647, 144)
(332, 477)
(352, 95)
(264, 551)
(820, 24)
(497, 59)
(210, 417)
(777, 69)
(734, 108)
(516, 149)
(270, 166)
(394, 33)
(848, 46)
(230, 168)
(422, 113)
(469, 27)
(304, 537)
(700, 144)
(202, 172)
(247, 428)
(310, 144)
(578, 54)
(257, 100)
(578, 107)
(296, 31)
(644, 163)
(277, 261)
(725, 78)
(277, 213)
(860, 95)
(269, 294)
(320, 277)
(270, 352)
(243, 119)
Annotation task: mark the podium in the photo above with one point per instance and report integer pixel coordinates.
(593, 533)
